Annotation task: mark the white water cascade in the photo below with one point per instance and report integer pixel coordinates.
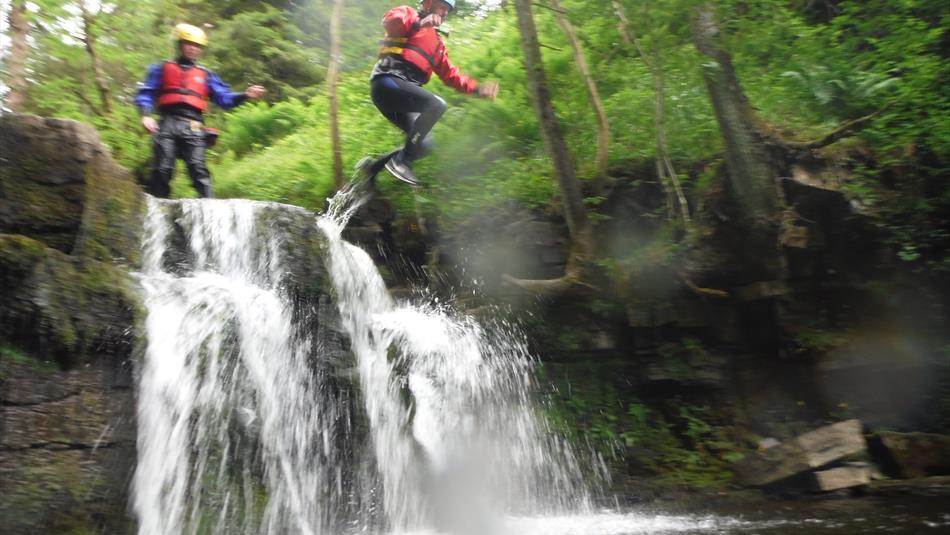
(235, 431)
(242, 429)
(459, 443)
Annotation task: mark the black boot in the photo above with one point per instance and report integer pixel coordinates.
(402, 170)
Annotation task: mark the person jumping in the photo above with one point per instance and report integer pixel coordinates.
(411, 51)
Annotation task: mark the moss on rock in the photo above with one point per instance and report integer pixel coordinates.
(60, 186)
(63, 305)
(112, 218)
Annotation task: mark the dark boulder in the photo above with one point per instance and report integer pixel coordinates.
(910, 455)
(67, 447)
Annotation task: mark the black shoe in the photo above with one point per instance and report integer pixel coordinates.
(401, 170)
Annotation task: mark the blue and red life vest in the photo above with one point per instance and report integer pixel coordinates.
(184, 85)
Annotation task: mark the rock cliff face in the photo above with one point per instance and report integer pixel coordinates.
(67, 447)
(70, 220)
(60, 186)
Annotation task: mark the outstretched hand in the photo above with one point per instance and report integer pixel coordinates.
(431, 21)
(255, 91)
(488, 90)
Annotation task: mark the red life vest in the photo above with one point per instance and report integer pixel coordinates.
(183, 86)
(422, 47)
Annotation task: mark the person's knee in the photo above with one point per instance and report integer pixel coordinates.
(438, 106)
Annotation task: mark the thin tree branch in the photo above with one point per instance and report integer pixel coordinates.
(664, 166)
(85, 100)
(704, 292)
(841, 132)
(545, 6)
(19, 28)
(603, 126)
(89, 40)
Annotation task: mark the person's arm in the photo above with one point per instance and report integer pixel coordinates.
(145, 98)
(453, 77)
(221, 94)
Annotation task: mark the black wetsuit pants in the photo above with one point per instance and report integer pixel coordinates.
(410, 107)
(178, 137)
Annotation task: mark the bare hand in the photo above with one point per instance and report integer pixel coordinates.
(488, 90)
(150, 125)
(431, 21)
(255, 91)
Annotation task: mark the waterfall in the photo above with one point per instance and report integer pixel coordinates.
(236, 434)
(458, 438)
(242, 428)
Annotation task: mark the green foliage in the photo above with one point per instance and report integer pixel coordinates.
(871, 57)
(673, 439)
(258, 126)
(263, 47)
(804, 71)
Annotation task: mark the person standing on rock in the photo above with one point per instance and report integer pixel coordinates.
(412, 50)
(181, 89)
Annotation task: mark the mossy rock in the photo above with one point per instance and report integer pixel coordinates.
(63, 305)
(67, 452)
(60, 186)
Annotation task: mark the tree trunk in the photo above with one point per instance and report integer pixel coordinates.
(16, 61)
(755, 159)
(89, 39)
(332, 76)
(664, 166)
(575, 213)
(574, 210)
(752, 170)
(603, 126)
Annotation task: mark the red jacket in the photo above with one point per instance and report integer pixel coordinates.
(422, 47)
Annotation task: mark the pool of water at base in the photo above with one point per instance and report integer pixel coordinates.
(859, 516)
